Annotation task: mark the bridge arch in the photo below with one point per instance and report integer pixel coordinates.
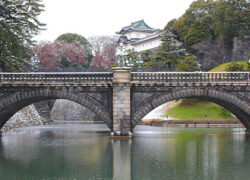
(237, 105)
(12, 103)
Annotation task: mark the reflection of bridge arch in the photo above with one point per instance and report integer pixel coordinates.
(12, 103)
(234, 103)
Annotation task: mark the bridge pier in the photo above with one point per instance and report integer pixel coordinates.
(121, 102)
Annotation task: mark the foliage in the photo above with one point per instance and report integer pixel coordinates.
(234, 66)
(150, 65)
(131, 53)
(147, 56)
(18, 25)
(104, 51)
(222, 67)
(208, 19)
(98, 61)
(114, 65)
(109, 53)
(170, 26)
(169, 55)
(248, 63)
(227, 13)
(199, 11)
(60, 55)
(77, 39)
(188, 65)
(149, 61)
(197, 32)
(104, 59)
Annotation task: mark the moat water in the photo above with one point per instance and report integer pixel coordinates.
(78, 151)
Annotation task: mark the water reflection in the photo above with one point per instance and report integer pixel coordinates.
(121, 159)
(177, 153)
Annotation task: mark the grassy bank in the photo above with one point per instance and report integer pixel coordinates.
(222, 67)
(198, 110)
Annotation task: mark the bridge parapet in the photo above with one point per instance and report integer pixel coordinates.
(190, 77)
(56, 78)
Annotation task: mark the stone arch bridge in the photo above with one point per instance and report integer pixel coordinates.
(125, 97)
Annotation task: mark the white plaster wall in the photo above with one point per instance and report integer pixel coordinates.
(148, 45)
(137, 34)
(154, 43)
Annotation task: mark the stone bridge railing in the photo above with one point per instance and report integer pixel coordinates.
(76, 77)
(206, 77)
(136, 77)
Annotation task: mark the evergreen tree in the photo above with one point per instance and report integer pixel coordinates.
(198, 31)
(147, 56)
(131, 53)
(189, 64)
(18, 25)
(199, 11)
(148, 60)
(170, 26)
(169, 54)
(226, 22)
(209, 19)
(244, 22)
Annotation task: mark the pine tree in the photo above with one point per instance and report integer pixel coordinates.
(169, 54)
(189, 64)
(18, 25)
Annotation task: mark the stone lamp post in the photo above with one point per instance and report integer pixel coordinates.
(121, 61)
(139, 61)
(130, 62)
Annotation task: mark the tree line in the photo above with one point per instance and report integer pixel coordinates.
(207, 27)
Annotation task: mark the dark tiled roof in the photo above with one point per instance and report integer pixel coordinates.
(140, 26)
(123, 39)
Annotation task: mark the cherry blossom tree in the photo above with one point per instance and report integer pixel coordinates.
(60, 55)
(104, 51)
(47, 55)
(98, 61)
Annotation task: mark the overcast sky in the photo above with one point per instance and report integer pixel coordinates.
(105, 17)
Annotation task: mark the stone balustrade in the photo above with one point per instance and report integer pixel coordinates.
(136, 77)
(161, 77)
(81, 77)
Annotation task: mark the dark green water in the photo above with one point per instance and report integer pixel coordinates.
(58, 153)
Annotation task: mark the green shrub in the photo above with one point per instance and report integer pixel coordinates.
(234, 66)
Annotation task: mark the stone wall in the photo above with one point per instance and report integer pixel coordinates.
(44, 110)
(27, 116)
(211, 53)
(70, 111)
(241, 49)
